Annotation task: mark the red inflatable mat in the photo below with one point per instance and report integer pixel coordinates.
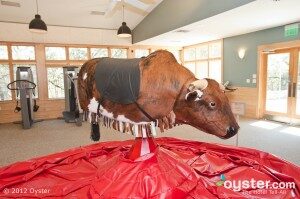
(177, 169)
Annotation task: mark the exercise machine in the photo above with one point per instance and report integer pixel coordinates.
(73, 113)
(25, 92)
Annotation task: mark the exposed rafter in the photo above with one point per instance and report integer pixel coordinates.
(136, 6)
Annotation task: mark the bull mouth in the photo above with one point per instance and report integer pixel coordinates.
(229, 135)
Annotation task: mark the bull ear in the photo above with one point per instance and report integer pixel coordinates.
(193, 95)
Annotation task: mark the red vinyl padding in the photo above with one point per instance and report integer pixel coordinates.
(177, 169)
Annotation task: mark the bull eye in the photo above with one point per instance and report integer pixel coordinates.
(212, 104)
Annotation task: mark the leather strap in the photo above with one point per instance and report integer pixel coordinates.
(145, 113)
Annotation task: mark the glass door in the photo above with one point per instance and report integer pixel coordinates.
(282, 88)
(277, 85)
(297, 85)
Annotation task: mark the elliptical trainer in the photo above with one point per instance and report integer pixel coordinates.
(25, 90)
(73, 113)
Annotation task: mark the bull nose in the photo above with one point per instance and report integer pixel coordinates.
(231, 131)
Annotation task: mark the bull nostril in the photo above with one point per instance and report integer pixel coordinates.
(231, 131)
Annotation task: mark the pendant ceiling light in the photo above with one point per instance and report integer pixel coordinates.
(124, 30)
(37, 24)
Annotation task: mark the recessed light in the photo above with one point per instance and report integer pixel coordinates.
(10, 3)
(182, 31)
(97, 13)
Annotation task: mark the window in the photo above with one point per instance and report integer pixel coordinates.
(138, 53)
(202, 69)
(99, 52)
(55, 83)
(205, 60)
(118, 53)
(202, 52)
(215, 70)
(78, 53)
(189, 54)
(33, 69)
(5, 94)
(191, 66)
(23, 53)
(176, 54)
(55, 53)
(215, 50)
(3, 52)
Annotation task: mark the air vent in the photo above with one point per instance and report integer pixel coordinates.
(10, 3)
(97, 13)
(182, 31)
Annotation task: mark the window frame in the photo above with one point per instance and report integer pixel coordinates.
(11, 62)
(56, 60)
(208, 59)
(127, 51)
(42, 63)
(134, 52)
(22, 60)
(47, 85)
(90, 51)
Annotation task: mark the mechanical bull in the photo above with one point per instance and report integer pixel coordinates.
(168, 94)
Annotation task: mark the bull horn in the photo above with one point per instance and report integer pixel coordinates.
(200, 84)
(222, 87)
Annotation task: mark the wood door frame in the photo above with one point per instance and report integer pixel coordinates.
(295, 60)
(262, 69)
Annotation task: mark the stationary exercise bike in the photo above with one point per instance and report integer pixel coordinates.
(25, 90)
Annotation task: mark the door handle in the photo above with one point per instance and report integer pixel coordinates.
(290, 90)
(294, 89)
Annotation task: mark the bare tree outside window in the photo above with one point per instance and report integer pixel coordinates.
(55, 53)
(3, 52)
(5, 94)
(55, 83)
(99, 52)
(118, 53)
(23, 53)
(78, 53)
(277, 82)
(189, 54)
(202, 52)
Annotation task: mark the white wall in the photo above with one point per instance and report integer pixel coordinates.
(62, 35)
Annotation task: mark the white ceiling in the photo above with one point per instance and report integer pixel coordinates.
(74, 13)
(257, 15)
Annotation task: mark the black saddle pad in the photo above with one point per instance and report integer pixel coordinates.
(118, 80)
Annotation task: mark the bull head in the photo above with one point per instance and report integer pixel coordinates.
(204, 105)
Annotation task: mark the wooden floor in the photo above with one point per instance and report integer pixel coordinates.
(54, 136)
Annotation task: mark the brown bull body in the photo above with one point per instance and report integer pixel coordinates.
(164, 87)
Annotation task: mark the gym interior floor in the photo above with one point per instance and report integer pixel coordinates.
(17, 144)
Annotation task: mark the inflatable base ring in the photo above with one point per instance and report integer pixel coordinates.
(170, 168)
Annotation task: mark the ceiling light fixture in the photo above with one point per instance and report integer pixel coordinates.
(37, 25)
(124, 30)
